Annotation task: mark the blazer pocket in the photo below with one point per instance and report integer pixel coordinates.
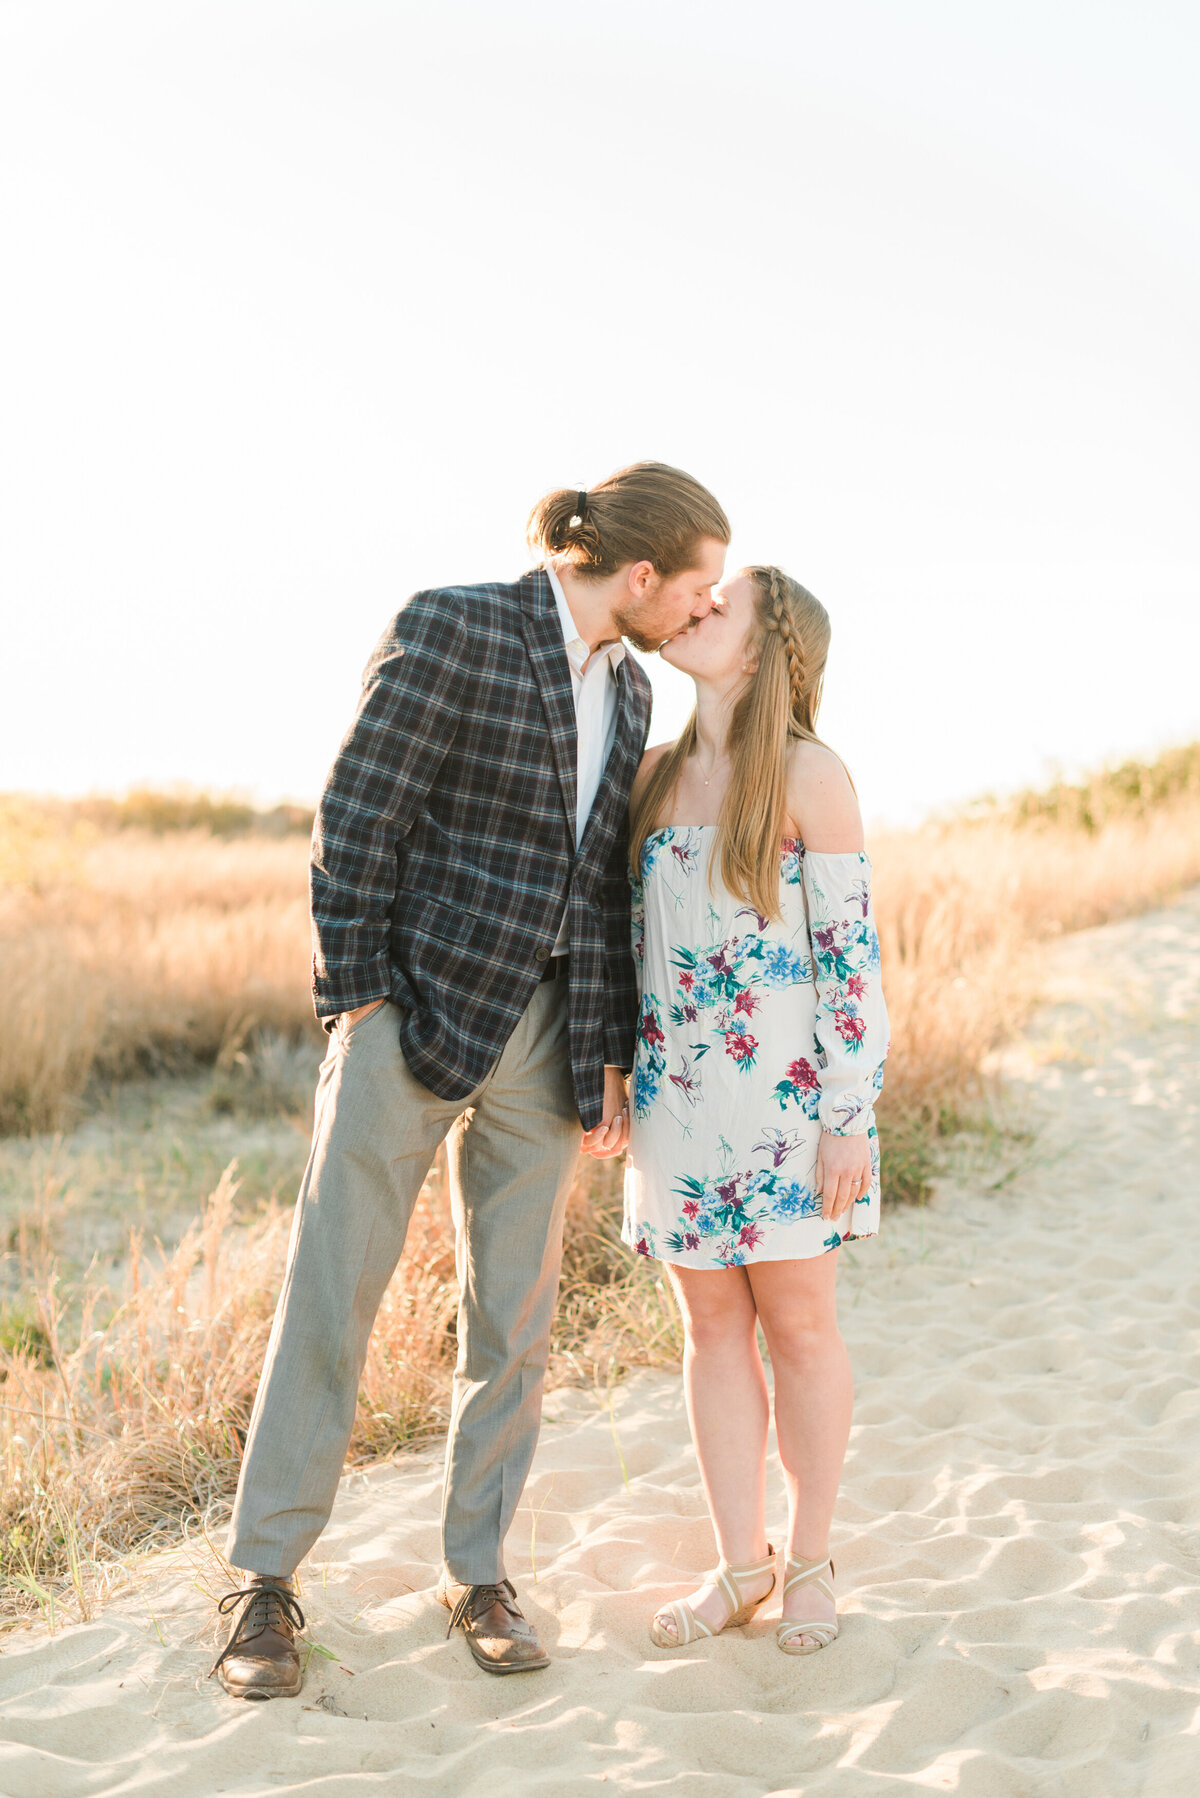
(421, 916)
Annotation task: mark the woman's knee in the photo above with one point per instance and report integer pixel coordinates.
(718, 1333)
(718, 1311)
(801, 1339)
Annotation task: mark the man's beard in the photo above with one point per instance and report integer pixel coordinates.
(639, 623)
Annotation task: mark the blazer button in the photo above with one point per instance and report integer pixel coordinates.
(541, 955)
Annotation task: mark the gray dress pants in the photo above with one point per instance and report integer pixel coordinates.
(514, 1148)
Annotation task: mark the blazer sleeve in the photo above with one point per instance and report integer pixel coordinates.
(852, 1019)
(621, 980)
(407, 716)
(623, 971)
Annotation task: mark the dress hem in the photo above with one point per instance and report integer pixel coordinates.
(752, 1260)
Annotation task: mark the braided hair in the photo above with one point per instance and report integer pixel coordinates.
(778, 621)
(798, 621)
(778, 707)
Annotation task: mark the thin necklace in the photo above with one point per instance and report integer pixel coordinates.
(706, 777)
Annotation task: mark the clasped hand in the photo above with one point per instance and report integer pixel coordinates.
(612, 1135)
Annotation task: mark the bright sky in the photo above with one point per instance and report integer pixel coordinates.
(306, 301)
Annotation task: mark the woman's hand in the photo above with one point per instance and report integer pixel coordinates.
(843, 1172)
(610, 1137)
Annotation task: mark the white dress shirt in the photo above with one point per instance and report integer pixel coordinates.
(594, 682)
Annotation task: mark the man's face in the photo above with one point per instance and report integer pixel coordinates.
(656, 609)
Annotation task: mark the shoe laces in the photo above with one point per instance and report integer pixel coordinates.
(477, 1599)
(268, 1605)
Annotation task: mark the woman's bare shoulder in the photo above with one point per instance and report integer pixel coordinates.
(648, 764)
(653, 757)
(821, 801)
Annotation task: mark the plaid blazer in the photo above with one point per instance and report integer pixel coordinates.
(444, 850)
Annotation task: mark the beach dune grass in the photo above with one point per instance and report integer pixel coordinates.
(129, 951)
(123, 1415)
(124, 1401)
(125, 948)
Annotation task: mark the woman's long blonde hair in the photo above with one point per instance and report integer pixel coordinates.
(778, 705)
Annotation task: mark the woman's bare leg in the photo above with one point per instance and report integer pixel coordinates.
(796, 1303)
(728, 1409)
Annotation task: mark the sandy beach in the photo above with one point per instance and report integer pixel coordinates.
(1017, 1542)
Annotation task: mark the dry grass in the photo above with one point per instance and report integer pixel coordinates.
(105, 1444)
(125, 1402)
(133, 949)
(964, 909)
(1129, 790)
(129, 951)
(124, 1418)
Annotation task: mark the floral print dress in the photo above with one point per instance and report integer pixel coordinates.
(754, 1035)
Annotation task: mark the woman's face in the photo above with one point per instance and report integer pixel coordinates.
(717, 647)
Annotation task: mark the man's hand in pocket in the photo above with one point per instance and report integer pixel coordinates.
(352, 1017)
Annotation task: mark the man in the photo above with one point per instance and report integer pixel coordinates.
(470, 910)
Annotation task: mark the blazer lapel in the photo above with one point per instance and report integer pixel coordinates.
(548, 655)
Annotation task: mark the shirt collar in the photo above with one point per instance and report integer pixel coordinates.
(613, 653)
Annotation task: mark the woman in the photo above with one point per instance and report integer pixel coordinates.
(760, 1051)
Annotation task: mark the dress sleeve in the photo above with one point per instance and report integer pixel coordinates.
(852, 1020)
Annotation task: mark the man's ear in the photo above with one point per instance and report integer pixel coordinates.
(640, 576)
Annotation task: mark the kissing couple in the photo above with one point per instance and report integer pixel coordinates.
(536, 939)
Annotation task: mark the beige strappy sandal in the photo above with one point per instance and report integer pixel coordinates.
(729, 1582)
(789, 1632)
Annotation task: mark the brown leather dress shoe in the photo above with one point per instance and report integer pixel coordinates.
(260, 1659)
(490, 1618)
